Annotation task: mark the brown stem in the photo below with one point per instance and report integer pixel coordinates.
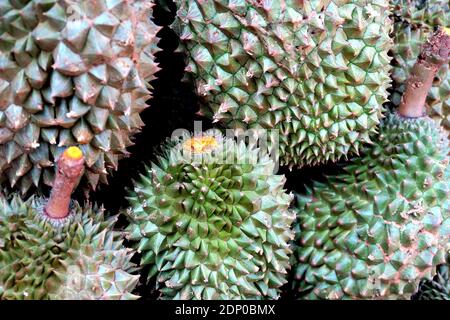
(69, 169)
(435, 53)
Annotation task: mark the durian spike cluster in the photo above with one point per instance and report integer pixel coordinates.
(211, 221)
(76, 255)
(374, 231)
(317, 71)
(414, 21)
(72, 73)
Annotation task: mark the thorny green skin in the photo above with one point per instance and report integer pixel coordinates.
(210, 230)
(315, 70)
(414, 21)
(79, 257)
(71, 73)
(376, 230)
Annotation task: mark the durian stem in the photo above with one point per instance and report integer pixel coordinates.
(69, 169)
(434, 54)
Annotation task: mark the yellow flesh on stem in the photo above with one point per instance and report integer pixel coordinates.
(200, 144)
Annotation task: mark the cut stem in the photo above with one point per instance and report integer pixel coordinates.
(434, 54)
(69, 170)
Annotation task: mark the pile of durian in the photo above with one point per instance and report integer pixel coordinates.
(362, 85)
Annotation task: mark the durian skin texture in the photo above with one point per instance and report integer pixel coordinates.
(77, 258)
(376, 230)
(72, 73)
(414, 21)
(209, 230)
(317, 71)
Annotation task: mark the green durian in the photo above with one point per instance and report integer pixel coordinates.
(79, 257)
(317, 70)
(56, 249)
(376, 230)
(414, 21)
(212, 221)
(72, 73)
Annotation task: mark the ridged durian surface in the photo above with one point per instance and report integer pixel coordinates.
(376, 230)
(71, 73)
(79, 257)
(317, 71)
(414, 21)
(210, 229)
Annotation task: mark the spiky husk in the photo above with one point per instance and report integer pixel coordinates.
(416, 12)
(315, 70)
(376, 230)
(211, 229)
(79, 257)
(72, 73)
(414, 22)
(438, 288)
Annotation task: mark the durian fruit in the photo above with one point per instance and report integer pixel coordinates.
(377, 229)
(414, 21)
(72, 73)
(374, 231)
(76, 256)
(437, 288)
(317, 70)
(211, 221)
(80, 257)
